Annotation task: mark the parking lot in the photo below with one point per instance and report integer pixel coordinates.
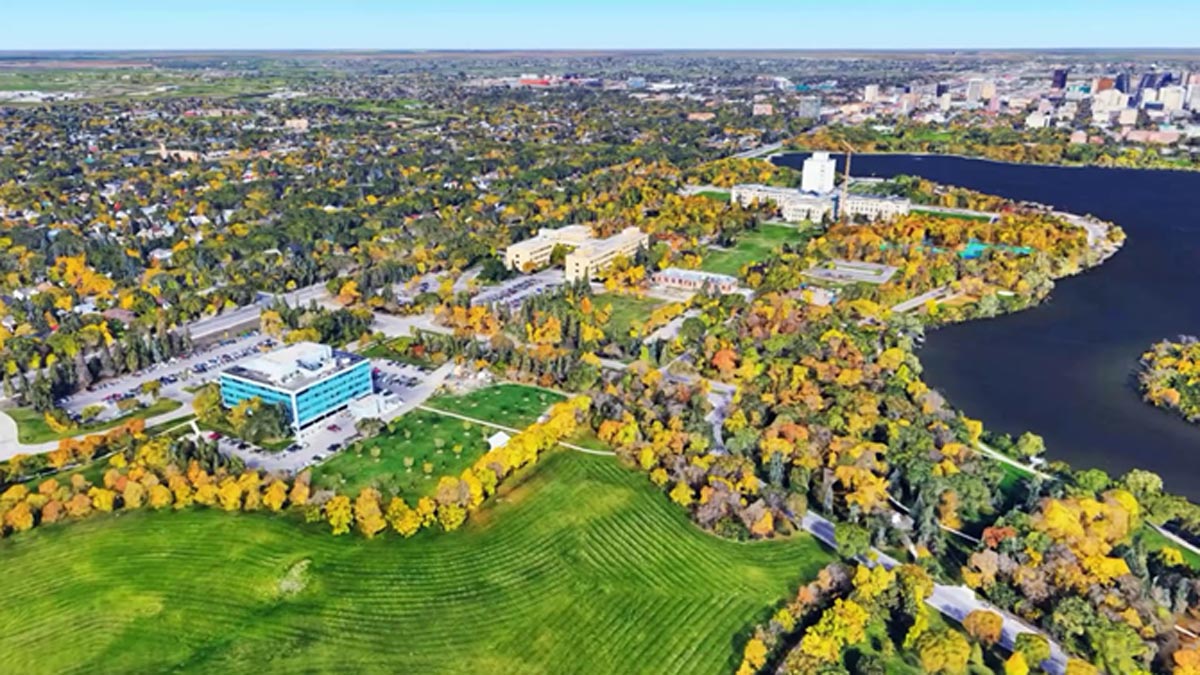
(174, 376)
(514, 291)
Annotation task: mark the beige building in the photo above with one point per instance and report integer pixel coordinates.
(876, 208)
(589, 255)
(535, 252)
(597, 254)
(793, 204)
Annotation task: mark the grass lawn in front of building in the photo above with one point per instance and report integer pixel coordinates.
(508, 404)
(32, 427)
(627, 310)
(408, 459)
(753, 247)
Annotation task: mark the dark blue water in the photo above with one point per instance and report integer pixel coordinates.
(1063, 369)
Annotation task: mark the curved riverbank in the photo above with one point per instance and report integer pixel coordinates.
(1061, 369)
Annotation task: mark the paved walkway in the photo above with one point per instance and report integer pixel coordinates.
(955, 602)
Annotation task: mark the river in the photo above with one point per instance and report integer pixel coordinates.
(1064, 369)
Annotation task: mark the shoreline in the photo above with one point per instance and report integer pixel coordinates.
(981, 158)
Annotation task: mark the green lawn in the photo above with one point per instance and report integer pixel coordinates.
(583, 566)
(963, 216)
(511, 405)
(32, 427)
(753, 247)
(424, 436)
(394, 350)
(718, 195)
(626, 309)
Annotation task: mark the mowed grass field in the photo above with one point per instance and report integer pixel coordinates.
(511, 405)
(626, 309)
(426, 437)
(753, 247)
(581, 566)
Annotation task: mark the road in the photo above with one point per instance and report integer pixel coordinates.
(235, 319)
(938, 294)
(759, 151)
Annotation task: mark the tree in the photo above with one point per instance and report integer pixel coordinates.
(20, 517)
(681, 494)
(984, 625)
(1016, 665)
(404, 520)
(852, 540)
(943, 651)
(367, 513)
(300, 490)
(275, 495)
(338, 514)
(160, 497)
(207, 404)
(1033, 647)
(1030, 445)
(451, 516)
(369, 427)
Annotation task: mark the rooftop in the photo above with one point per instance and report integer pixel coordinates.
(295, 367)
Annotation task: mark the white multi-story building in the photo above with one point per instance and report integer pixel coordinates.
(535, 252)
(597, 254)
(793, 204)
(974, 91)
(1172, 98)
(819, 173)
(875, 207)
(871, 93)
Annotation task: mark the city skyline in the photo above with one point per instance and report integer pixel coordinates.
(622, 24)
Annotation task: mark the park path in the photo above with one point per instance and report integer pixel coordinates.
(955, 602)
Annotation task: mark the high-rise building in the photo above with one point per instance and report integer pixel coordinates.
(1059, 78)
(871, 93)
(1172, 98)
(809, 107)
(818, 173)
(940, 89)
(974, 91)
(989, 90)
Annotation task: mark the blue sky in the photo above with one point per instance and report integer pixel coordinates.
(581, 24)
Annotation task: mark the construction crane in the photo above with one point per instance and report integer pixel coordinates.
(845, 182)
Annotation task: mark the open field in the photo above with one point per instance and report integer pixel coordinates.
(626, 309)
(32, 427)
(718, 195)
(943, 214)
(753, 247)
(510, 405)
(380, 462)
(582, 566)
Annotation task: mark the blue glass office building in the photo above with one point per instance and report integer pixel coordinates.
(311, 381)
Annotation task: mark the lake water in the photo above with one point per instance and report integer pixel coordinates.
(1064, 369)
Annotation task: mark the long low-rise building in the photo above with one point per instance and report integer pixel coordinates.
(694, 280)
(535, 252)
(875, 207)
(596, 255)
(793, 204)
(311, 381)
